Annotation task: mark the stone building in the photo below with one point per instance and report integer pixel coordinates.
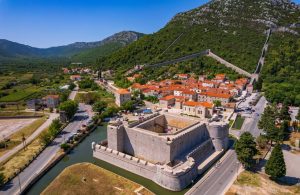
(198, 109)
(169, 150)
(122, 96)
(167, 101)
(210, 97)
(51, 101)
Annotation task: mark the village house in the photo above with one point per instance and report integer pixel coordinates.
(182, 76)
(210, 97)
(198, 109)
(167, 101)
(122, 96)
(219, 78)
(51, 101)
(190, 95)
(75, 77)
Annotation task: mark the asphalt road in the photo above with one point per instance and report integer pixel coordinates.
(251, 122)
(219, 177)
(47, 155)
(217, 180)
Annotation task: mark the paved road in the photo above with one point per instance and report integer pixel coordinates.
(47, 123)
(218, 178)
(251, 120)
(46, 156)
(250, 123)
(292, 162)
(74, 92)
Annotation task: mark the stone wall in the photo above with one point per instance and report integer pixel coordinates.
(188, 140)
(172, 180)
(144, 144)
(219, 135)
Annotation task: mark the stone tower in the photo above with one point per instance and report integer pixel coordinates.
(218, 132)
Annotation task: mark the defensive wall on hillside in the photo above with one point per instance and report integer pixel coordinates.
(169, 154)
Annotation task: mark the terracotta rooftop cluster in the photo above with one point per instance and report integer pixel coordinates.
(218, 87)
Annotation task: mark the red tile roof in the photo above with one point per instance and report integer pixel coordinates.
(123, 91)
(167, 98)
(198, 104)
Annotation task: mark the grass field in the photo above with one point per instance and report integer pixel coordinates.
(86, 178)
(21, 159)
(238, 123)
(16, 138)
(20, 94)
(249, 183)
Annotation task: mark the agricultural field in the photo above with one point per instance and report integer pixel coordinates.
(20, 94)
(19, 87)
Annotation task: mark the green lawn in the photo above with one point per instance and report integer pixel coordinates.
(238, 123)
(20, 94)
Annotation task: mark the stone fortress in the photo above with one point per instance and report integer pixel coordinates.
(169, 150)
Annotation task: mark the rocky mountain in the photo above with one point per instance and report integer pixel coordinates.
(11, 49)
(233, 29)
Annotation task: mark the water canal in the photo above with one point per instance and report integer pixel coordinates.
(83, 153)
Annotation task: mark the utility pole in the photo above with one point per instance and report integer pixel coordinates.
(237, 169)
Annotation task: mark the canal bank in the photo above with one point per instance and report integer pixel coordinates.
(83, 153)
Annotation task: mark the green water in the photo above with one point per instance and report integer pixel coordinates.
(83, 153)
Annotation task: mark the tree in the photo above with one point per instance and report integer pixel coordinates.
(72, 86)
(285, 129)
(2, 178)
(217, 103)
(99, 106)
(70, 107)
(284, 113)
(245, 148)
(262, 141)
(267, 123)
(54, 128)
(129, 105)
(45, 138)
(275, 166)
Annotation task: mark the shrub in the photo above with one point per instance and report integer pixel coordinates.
(65, 146)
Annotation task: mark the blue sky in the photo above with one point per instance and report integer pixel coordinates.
(45, 23)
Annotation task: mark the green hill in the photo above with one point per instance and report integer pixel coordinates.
(234, 30)
(14, 55)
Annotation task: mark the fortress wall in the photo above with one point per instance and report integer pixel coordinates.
(129, 163)
(177, 179)
(151, 124)
(219, 135)
(202, 152)
(115, 137)
(146, 146)
(189, 140)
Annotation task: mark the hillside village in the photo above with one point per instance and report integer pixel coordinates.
(194, 96)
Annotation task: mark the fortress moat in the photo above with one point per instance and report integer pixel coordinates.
(170, 150)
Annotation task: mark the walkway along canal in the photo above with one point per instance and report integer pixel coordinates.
(83, 153)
